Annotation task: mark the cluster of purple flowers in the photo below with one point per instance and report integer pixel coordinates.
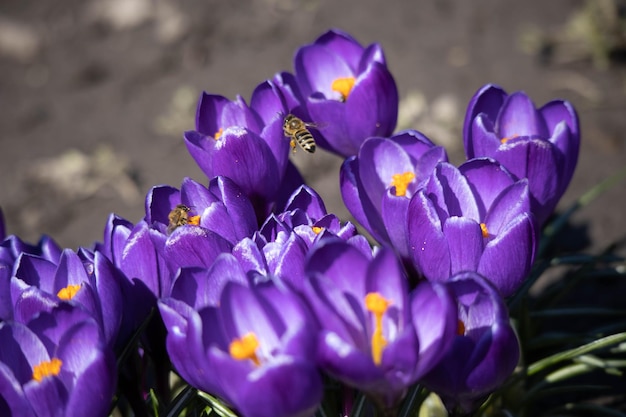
(263, 294)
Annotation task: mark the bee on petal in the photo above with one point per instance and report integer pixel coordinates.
(179, 216)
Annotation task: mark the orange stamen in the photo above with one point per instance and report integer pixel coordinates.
(343, 86)
(505, 140)
(317, 230)
(245, 348)
(401, 182)
(460, 328)
(377, 305)
(67, 293)
(483, 229)
(47, 368)
(218, 134)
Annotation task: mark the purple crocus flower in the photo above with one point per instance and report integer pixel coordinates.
(10, 250)
(375, 337)
(88, 281)
(378, 183)
(484, 352)
(539, 144)
(255, 350)
(55, 365)
(246, 144)
(281, 246)
(350, 94)
(474, 218)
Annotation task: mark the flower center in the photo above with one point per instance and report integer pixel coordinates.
(67, 293)
(317, 230)
(245, 348)
(377, 305)
(47, 368)
(343, 86)
(483, 229)
(460, 328)
(505, 140)
(218, 134)
(401, 182)
(193, 220)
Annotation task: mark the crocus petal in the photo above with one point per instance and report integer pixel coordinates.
(511, 202)
(268, 102)
(569, 145)
(426, 239)
(342, 262)
(519, 117)
(465, 242)
(342, 44)
(379, 160)
(434, 314)
(488, 179)
(485, 140)
(557, 111)
(264, 394)
(372, 106)
(488, 99)
(316, 69)
(394, 213)
(507, 259)
(246, 159)
(193, 246)
(15, 403)
(357, 202)
(537, 160)
(239, 206)
(210, 107)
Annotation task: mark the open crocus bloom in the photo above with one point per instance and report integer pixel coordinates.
(539, 144)
(474, 218)
(350, 94)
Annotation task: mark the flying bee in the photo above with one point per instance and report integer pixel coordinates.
(179, 216)
(298, 131)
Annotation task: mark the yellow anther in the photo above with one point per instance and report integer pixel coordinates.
(47, 368)
(245, 348)
(343, 86)
(401, 182)
(218, 134)
(460, 328)
(483, 229)
(67, 293)
(317, 230)
(377, 305)
(505, 140)
(193, 220)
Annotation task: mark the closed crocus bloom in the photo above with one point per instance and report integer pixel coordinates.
(378, 183)
(539, 144)
(368, 339)
(55, 365)
(246, 144)
(484, 351)
(255, 350)
(474, 218)
(350, 94)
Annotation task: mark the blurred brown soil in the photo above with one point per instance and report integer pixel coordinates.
(95, 94)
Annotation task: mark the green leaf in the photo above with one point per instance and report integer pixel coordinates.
(178, 404)
(581, 311)
(218, 406)
(573, 353)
